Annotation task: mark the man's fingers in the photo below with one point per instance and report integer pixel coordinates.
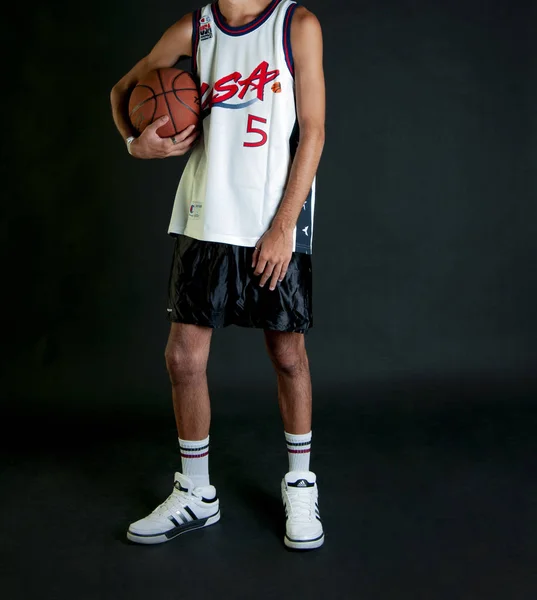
(181, 146)
(179, 137)
(275, 276)
(152, 127)
(255, 256)
(267, 272)
(183, 135)
(261, 264)
(182, 139)
(285, 266)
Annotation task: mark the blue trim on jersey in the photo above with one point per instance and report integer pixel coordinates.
(196, 16)
(241, 105)
(286, 38)
(242, 29)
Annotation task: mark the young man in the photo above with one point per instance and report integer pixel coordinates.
(243, 225)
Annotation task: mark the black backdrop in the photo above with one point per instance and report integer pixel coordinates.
(423, 350)
(424, 248)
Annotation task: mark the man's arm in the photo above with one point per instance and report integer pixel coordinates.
(307, 47)
(175, 42)
(275, 248)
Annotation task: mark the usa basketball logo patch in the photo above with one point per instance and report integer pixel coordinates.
(205, 28)
(194, 212)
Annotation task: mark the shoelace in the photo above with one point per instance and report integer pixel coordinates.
(301, 505)
(175, 500)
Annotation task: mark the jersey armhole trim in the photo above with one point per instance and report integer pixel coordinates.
(287, 50)
(196, 16)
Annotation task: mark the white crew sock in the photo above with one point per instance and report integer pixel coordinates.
(298, 451)
(195, 460)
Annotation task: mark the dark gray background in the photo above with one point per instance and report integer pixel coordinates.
(424, 244)
(423, 350)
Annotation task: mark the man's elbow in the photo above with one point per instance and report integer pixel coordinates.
(117, 91)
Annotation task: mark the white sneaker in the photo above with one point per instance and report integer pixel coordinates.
(186, 508)
(303, 527)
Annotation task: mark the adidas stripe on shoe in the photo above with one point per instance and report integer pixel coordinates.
(187, 508)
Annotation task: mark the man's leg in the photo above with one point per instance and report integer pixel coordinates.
(287, 351)
(187, 353)
(193, 502)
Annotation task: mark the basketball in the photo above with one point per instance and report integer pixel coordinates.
(166, 91)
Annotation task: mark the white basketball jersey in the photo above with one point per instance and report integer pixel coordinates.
(236, 175)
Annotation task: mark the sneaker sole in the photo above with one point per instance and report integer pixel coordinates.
(159, 538)
(304, 544)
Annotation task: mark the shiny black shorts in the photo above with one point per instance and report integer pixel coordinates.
(213, 284)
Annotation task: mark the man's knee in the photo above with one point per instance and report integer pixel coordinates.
(287, 352)
(187, 351)
(183, 362)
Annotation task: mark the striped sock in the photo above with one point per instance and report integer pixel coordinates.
(195, 460)
(298, 451)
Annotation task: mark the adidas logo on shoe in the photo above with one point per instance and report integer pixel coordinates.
(302, 483)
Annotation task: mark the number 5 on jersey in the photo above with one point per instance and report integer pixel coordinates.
(251, 129)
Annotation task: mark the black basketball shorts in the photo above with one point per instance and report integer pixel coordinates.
(213, 284)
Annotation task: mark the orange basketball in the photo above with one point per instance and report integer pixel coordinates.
(166, 91)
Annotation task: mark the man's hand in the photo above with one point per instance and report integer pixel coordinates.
(272, 255)
(151, 145)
